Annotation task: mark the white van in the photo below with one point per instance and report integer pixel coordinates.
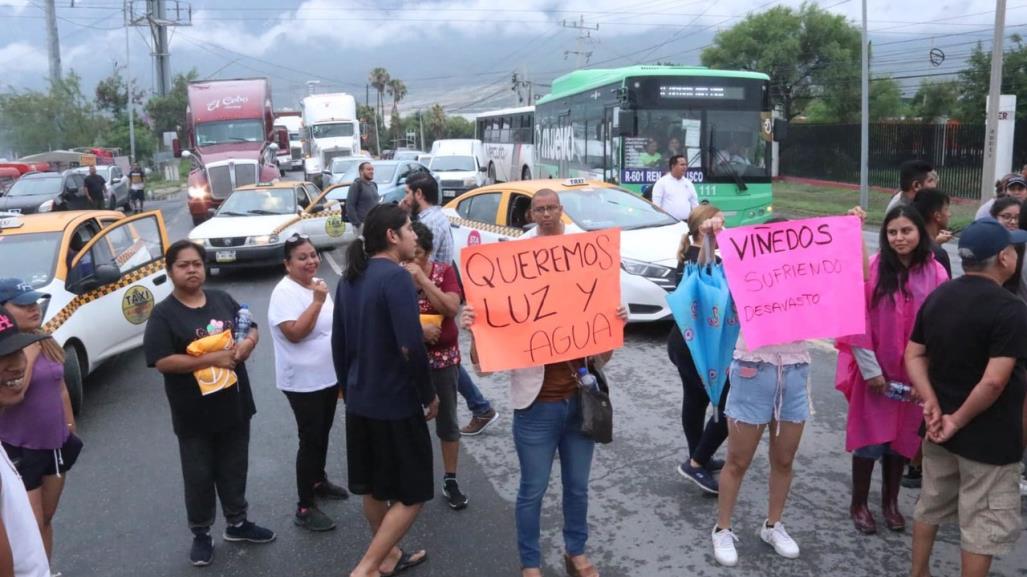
(460, 165)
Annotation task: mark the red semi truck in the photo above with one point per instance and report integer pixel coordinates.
(230, 131)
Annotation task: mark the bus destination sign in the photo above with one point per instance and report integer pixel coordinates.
(690, 92)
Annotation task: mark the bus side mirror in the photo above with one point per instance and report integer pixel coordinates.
(780, 129)
(625, 123)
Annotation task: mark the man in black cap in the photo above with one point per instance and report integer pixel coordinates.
(967, 364)
(21, 546)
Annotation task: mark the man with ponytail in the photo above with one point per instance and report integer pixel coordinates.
(383, 372)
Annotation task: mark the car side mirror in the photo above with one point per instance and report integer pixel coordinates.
(211, 211)
(104, 274)
(625, 123)
(319, 207)
(402, 180)
(483, 169)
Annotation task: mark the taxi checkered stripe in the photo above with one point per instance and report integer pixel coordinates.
(307, 216)
(486, 227)
(135, 276)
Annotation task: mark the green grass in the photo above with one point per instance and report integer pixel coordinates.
(802, 200)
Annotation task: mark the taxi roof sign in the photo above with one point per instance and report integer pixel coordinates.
(575, 181)
(11, 220)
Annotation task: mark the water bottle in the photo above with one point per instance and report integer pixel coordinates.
(898, 391)
(587, 379)
(243, 323)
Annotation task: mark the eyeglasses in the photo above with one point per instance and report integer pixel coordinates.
(1009, 217)
(546, 209)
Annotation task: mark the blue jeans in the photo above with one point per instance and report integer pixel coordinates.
(539, 432)
(476, 402)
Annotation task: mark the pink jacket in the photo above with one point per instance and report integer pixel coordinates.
(873, 418)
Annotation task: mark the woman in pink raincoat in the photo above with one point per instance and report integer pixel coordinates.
(871, 371)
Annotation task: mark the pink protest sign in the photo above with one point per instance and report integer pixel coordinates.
(796, 280)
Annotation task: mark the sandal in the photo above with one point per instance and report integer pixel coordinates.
(406, 561)
(574, 571)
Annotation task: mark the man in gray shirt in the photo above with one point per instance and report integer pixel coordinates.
(363, 195)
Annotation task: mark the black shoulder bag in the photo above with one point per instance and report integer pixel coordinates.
(596, 409)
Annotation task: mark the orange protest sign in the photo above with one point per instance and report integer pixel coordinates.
(544, 300)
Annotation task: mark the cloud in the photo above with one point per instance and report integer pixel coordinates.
(17, 5)
(21, 57)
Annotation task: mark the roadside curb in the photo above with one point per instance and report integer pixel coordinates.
(163, 193)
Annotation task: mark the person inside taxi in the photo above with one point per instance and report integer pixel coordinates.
(38, 434)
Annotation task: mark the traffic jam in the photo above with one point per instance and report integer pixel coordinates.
(100, 259)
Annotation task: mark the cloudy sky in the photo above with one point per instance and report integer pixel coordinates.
(459, 53)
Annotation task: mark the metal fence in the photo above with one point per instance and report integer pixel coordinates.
(831, 152)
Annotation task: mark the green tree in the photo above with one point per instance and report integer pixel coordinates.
(111, 95)
(976, 77)
(935, 100)
(842, 106)
(806, 53)
(435, 122)
(34, 121)
(379, 79)
(459, 127)
(167, 113)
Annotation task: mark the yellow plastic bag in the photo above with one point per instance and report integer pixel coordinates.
(212, 379)
(431, 320)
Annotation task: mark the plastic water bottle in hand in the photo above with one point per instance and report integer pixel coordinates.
(243, 322)
(587, 379)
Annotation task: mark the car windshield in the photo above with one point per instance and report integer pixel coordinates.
(453, 164)
(294, 136)
(336, 130)
(258, 202)
(210, 133)
(35, 256)
(598, 208)
(341, 165)
(383, 174)
(36, 187)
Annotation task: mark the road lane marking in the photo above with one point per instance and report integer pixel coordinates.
(331, 262)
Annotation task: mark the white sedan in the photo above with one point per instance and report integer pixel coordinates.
(649, 236)
(252, 225)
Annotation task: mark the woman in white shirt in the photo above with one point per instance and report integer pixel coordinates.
(300, 315)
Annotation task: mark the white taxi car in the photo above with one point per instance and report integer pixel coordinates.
(103, 271)
(649, 236)
(253, 223)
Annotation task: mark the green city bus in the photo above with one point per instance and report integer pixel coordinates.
(622, 125)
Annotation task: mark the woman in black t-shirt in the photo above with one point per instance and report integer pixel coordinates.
(210, 398)
(703, 440)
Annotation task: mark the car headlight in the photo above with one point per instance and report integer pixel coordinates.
(471, 181)
(197, 192)
(204, 242)
(46, 206)
(662, 276)
(262, 240)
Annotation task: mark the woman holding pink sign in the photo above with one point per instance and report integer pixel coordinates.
(884, 417)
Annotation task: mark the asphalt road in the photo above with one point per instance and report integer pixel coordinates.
(123, 513)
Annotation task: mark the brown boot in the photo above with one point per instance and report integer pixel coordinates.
(862, 518)
(891, 479)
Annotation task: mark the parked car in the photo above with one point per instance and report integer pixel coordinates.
(117, 185)
(46, 192)
(340, 166)
(391, 176)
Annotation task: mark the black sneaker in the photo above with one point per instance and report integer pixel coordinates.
(913, 477)
(249, 532)
(313, 519)
(700, 476)
(329, 490)
(714, 465)
(451, 489)
(202, 552)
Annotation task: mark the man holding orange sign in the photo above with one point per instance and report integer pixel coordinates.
(545, 309)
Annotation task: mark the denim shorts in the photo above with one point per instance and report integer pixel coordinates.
(761, 392)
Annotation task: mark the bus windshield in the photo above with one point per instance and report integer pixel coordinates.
(714, 142)
(225, 131)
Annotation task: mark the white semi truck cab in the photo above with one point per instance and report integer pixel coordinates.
(330, 129)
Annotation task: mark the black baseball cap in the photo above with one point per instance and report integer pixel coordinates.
(11, 339)
(1016, 179)
(986, 238)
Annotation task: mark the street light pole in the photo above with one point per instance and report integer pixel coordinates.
(128, 88)
(994, 94)
(864, 123)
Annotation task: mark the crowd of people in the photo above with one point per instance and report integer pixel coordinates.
(934, 388)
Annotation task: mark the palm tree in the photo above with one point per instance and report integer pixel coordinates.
(379, 79)
(398, 90)
(437, 121)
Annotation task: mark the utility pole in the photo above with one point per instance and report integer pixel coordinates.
(128, 87)
(159, 16)
(53, 42)
(864, 123)
(420, 128)
(994, 92)
(584, 37)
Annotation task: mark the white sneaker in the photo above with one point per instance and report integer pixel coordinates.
(779, 539)
(724, 547)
